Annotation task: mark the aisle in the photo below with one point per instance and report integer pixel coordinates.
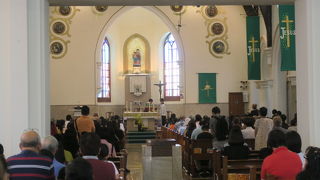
(134, 161)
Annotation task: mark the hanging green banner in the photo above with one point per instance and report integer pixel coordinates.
(207, 88)
(253, 47)
(287, 37)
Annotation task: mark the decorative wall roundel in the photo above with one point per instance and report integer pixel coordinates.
(101, 8)
(176, 8)
(58, 27)
(56, 48)
(217, 28)
(65, 10)
(218, 47)
(211, 11)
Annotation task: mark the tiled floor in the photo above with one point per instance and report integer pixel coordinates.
(134, 161)
(135, 164)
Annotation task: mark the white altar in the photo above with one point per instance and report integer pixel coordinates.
(150, 120)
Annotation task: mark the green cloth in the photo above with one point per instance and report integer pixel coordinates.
(253, 47)
(287, 37)
(207, 88)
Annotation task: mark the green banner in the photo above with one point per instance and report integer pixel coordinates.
(253, 47)
(207, 88)
(287, 37)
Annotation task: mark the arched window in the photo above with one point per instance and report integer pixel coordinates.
(104, 69)
(171, 69)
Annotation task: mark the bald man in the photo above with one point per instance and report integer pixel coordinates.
(29, 165)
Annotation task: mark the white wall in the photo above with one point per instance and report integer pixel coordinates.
(73, 76)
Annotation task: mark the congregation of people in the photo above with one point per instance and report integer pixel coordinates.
(278, 143)
(77, 149)
(81, 148)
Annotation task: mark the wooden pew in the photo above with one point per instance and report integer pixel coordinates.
(164, 133)
(250, 166)
(222, 166)
(200, 150)
(186, 154)
(121, 162)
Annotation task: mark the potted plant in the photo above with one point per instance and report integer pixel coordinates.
(138, 122)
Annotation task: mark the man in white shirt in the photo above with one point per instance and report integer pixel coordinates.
(163, 112)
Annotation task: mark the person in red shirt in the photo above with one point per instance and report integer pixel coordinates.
(90, 147)
(282, 163)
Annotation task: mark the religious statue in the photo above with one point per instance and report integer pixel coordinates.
(136, 57)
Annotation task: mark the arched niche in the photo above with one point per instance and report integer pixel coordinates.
(136, 44)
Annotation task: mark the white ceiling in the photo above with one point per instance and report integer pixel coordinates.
(164, 2)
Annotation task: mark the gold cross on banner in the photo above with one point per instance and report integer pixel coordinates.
(253, 42)
(207, 88)
(287, 21)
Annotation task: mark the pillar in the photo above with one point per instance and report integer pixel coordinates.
(308, 70)
(23, 70)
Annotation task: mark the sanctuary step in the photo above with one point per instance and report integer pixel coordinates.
(136, 137)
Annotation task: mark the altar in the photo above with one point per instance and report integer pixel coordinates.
(150, 120)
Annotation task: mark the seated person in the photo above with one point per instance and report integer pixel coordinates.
(205, 134)
(104, 155)
(79, 169)
(236, 148)
(293, 143)
(204, 166)
(90, 148)
(311, 171)
(282, 163)
(248, 131)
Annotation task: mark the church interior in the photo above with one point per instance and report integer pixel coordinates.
(152, 68)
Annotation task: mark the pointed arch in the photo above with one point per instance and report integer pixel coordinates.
(104, 73)
(136, 41)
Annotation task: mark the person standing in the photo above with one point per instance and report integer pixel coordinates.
(262, 128)
(163, 112)
(214, 118)
(84, 123)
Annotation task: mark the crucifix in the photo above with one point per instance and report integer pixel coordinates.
(160, 87)
(253, 41)
(287, 21)
(207, 88)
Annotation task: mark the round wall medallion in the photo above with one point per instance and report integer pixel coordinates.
(211, 11)
(58, 27)
(217, 28)
(65, 10)
(218, 47)
(56, 48)
(176, 8)
(101, 8)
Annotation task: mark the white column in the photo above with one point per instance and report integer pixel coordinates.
(265, 92)
(308, 70)
(23, 99)
(253, 94)
(279, 89)
(38, 66)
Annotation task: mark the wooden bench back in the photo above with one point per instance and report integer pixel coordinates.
(249, 166)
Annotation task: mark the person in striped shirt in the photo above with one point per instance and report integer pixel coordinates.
(29, 165)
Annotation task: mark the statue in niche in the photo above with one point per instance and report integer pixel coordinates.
(136, 58)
